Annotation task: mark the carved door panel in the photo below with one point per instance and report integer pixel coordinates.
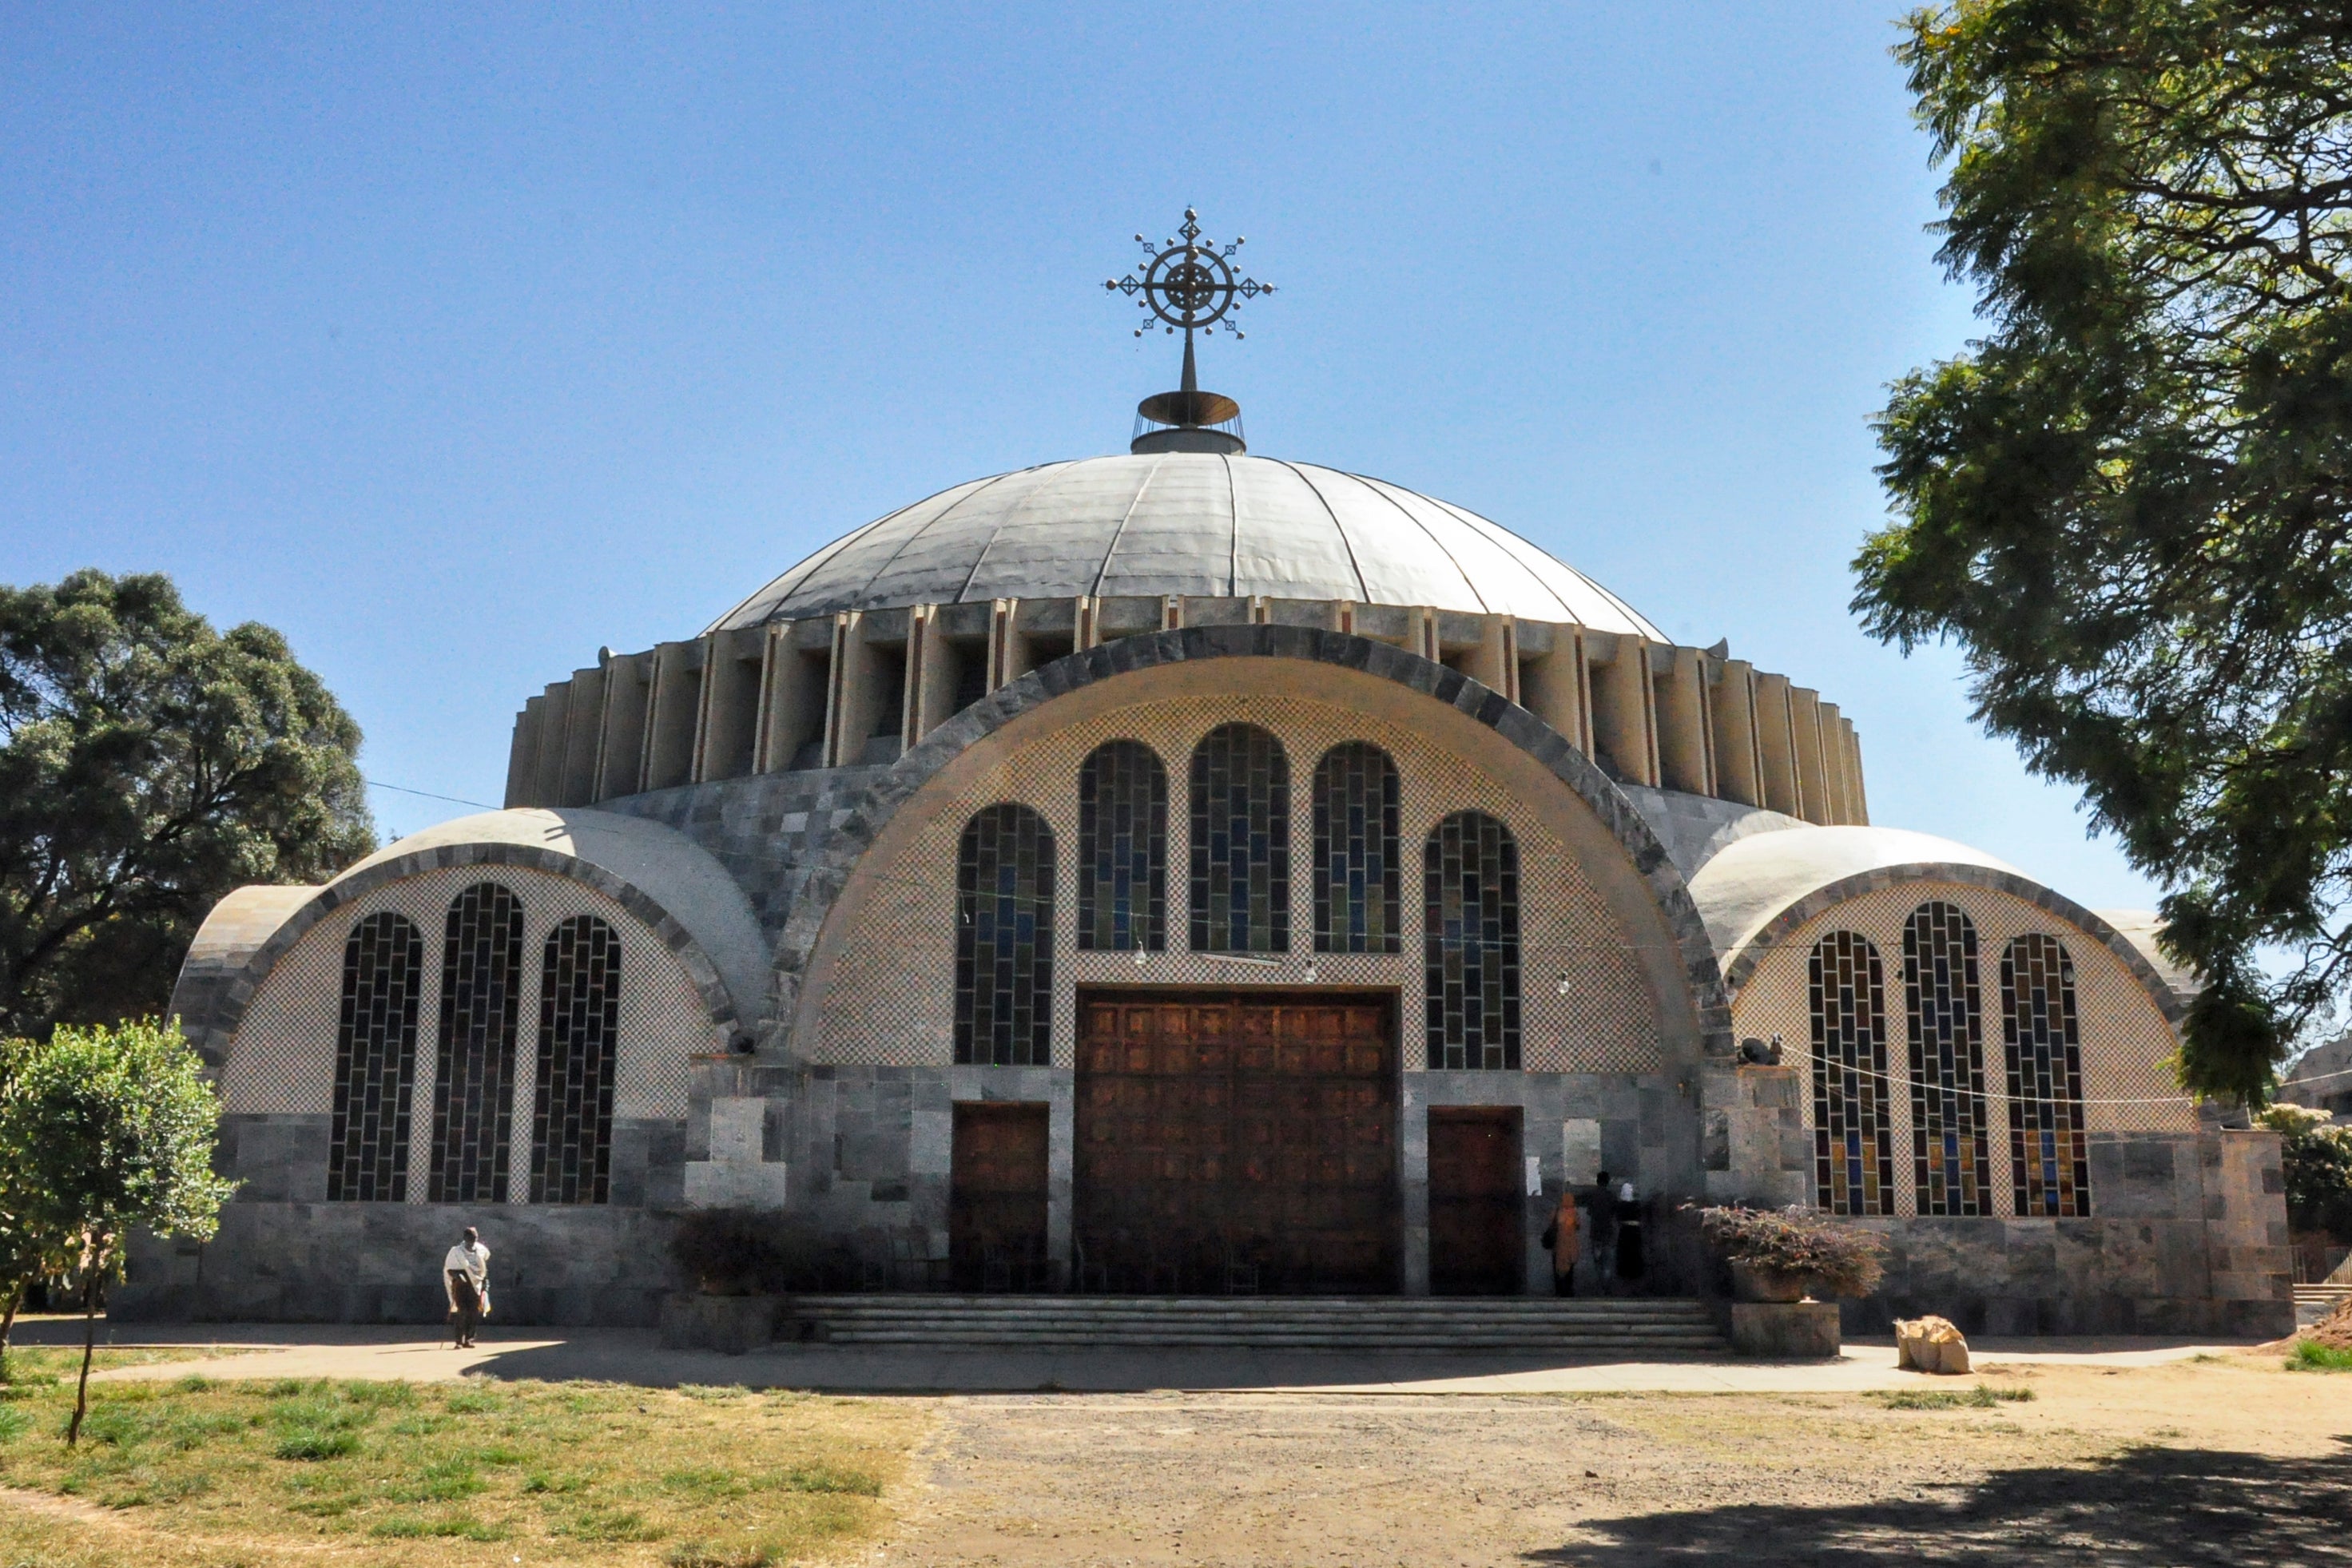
(1237, 1142)
(1477, 1241)
(996, 1196)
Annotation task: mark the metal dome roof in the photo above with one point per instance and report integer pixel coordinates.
(1187, 523)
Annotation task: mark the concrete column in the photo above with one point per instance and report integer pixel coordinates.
(583, 730)
(731, 675)
(546, 766)
(1684, 746)
(795, 687)
(522, 754)
(1001, 638)
(1776, 738)
(847, 719)
(1623, 726)
(930, 673)
(1494, 662)
(621, 741)
(1805, 724)
(674, 716)
(1853, 771)
(1738, 763)
(1551, 678)
(1086, 630)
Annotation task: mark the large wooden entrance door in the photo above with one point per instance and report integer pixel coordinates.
(1478, 1240)
(996, 1196)
(1236, 1142)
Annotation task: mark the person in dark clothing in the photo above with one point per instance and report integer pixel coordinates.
(1628, 1233)
(1604, 1231)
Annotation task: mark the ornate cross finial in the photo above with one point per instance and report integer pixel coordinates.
(1190, 283)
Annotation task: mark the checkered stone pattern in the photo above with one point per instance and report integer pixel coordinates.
(282, 1062)
(888, 991)
(2124, 1040)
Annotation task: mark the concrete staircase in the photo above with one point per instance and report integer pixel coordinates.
(1615, 1327)
(2313, 1302)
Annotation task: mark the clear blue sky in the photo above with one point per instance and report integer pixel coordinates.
(457, 343)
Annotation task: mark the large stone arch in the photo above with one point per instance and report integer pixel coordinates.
(860, 828)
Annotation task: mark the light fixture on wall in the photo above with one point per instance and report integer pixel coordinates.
(1313, 973)
(1139, 957)
(1564, 987)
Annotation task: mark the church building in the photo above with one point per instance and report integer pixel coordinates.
(1190, 871)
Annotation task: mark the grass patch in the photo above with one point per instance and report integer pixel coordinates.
(224, 1469)
(712, 1393)
(1983, 1397)
(2310, 1357)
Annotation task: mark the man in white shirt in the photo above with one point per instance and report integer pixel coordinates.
(466, 1272)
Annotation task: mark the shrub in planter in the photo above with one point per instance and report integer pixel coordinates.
(743, 1252)
(1794, 1249)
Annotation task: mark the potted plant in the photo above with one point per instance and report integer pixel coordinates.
(1791, 1254)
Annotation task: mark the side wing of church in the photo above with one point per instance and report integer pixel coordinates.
(1151, 872)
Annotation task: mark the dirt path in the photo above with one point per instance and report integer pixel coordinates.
(2227, 1463)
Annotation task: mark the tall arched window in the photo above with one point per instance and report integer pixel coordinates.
(1357, 879)
(1122, 849)
(1241, 843)
(1471, 942)
(1949, 1146)
(473, 1091)
(1004, 939)
(579, 1039)
(1853, 1142)
(376, 1061)
(2049, 1159)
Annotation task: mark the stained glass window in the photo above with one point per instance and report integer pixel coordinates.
(1853, 1142)
(1241, 843)
(473, 1091)
(1357, 879)
(2049, 1159)
(578, 1036)
(1004, 939)
(376, 1061)
(1471, 942)
(1122, 849)
(1948, 1148)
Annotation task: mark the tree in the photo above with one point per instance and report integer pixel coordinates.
(113, 1128)
(2316, 1159)
(148, 765)
(27, 1251)
(2130, 503)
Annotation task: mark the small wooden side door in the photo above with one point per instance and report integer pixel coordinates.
(996, 1196)
(1477, 1242)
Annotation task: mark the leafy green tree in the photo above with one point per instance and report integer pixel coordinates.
(2129, 503)
(148, 765)
(114, 1129)
(2316, 1158)
(27, 1251)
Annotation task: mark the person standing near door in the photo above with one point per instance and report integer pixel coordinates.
(1628, 1233)
(1604, 1231)
(1561, 1236)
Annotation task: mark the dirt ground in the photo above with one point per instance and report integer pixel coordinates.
(2222, 1460)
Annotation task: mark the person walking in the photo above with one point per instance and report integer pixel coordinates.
(1561, 1236)
(1604, 1231)
(467, 1273)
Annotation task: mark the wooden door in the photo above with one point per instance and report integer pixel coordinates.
(1237, 1142)
(1478, 1240)
(996, 1196)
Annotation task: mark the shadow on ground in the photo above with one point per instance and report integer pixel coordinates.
(2147, 1506)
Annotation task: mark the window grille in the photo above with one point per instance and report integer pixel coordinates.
(1004, 939)
(1357, 879)
(1471, 941)
(1949, 1145)
(1853, 1140)
(2049, 1158)
(579, 1044)
(376, 1061)
(473, 1092)
(1241, 843)
(1122, 849)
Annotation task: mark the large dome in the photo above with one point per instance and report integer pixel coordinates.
(1187, 523)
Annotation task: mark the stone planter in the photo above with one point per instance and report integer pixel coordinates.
(1787, 1330)
(730, 1323)
(1750, 1283)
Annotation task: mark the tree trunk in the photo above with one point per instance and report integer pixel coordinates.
(89, 1345)
(8, 1325)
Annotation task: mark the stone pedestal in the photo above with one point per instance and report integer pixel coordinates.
(1788, 1331)
(730, 1323)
